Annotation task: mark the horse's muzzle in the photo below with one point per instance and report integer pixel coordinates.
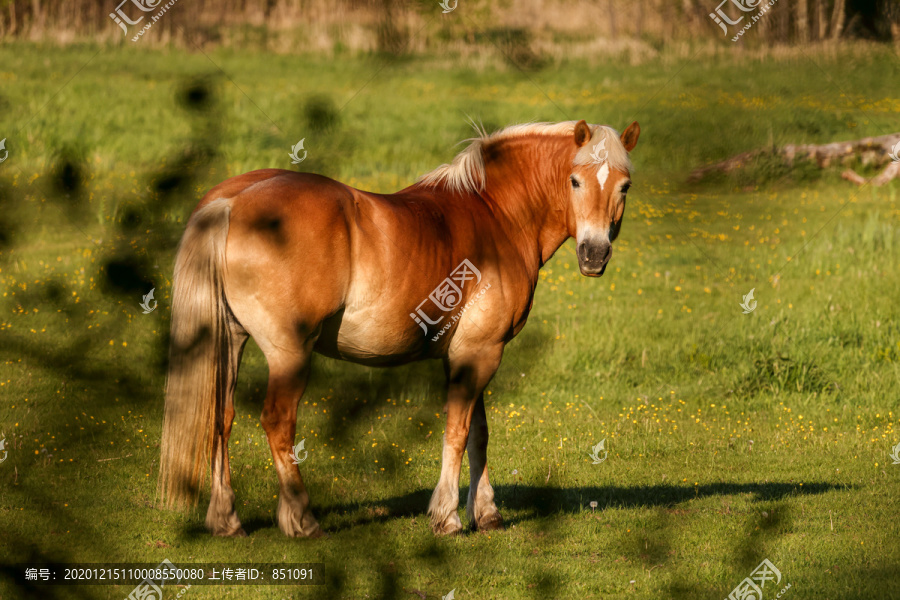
(593, 257)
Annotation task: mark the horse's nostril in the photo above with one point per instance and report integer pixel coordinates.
(584, 252)
(593, 255)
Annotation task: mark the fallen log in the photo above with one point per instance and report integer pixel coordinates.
(867, 151)
(890, 172)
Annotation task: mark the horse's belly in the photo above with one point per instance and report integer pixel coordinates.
(368, 338)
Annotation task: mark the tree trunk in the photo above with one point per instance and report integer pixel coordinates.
(670, 21)
(612, 18)
(838, 19)
(784, 26)
(37, 16)
(639, 20)
(803, 21)
(821, 19)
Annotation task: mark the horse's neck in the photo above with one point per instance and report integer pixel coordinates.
(531, 215)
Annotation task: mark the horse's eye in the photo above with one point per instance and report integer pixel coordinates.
(625, 188)
(574, 181)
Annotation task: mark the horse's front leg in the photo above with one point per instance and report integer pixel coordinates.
(468, 375)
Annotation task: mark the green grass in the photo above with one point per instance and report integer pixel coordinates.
(732, 437)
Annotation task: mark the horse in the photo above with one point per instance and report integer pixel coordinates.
(443, 269)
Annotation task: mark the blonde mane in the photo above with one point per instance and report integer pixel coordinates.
(466, 172)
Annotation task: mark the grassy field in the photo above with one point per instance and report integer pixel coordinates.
(732, 437)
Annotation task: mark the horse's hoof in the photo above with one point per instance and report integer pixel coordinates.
(308, 527)
(239, 532)
(447, 531)
(451, 526)
(491, 522)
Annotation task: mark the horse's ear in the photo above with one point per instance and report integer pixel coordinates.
(630, 136)
(582, 133)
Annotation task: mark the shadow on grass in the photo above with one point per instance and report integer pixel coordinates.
(537, 502)
(543, 501)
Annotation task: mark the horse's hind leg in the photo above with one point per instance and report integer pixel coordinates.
(288, 374)
(221, 518)
(480, 507)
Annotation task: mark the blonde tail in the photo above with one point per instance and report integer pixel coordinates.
(198, 357)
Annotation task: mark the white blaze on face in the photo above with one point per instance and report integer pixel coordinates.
(602, 175)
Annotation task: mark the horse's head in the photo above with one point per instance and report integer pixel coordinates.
(597, 186)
